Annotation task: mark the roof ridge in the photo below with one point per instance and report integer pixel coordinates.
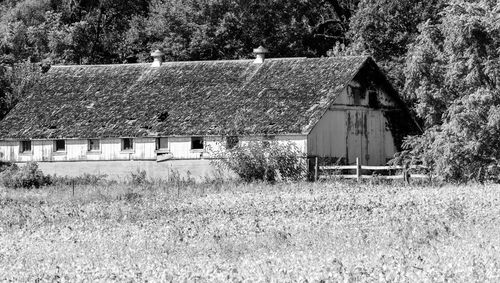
(208, 61)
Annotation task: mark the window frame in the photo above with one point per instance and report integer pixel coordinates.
(158, 144)
(358, 94)
(202, 142)
(56, 147)
(89, 147)
(131, 149)
(22, 147)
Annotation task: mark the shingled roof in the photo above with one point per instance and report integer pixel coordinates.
(280, 96)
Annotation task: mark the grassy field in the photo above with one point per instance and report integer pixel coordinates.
(255, 232)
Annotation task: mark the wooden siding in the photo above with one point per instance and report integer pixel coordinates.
(300, 141)
(351, 129)
(111, 149)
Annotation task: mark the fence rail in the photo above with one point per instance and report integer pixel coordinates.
(406, 175)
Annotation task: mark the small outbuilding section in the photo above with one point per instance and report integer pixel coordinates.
(117, 119)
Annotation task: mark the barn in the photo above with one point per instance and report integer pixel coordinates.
(117, 119)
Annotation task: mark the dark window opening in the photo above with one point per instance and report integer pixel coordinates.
(357, 95)
(197, 143)
(373, 99)
(26, 146)
(161, 143)
(94, 145)
(127, 144)
(232, 142)
(60, 145)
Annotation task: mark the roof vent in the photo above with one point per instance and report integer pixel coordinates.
(158, 58)
(260, 54)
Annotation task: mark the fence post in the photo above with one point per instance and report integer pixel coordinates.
(406, 174)
(358, 169)
(316, 169)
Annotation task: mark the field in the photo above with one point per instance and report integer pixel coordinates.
(251, 232)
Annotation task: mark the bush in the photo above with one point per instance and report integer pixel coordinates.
(28, 176)
(266, 161)
(5, 165)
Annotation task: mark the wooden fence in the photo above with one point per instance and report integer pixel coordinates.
(321, 172)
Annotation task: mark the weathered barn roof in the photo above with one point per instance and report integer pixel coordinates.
(280, 96)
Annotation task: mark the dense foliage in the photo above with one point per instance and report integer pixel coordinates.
(264, 161)
(114, 31)
(28, 176)
(452, 72)
(442, 55)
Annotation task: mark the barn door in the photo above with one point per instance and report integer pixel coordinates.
(356, 138)
(375, 138)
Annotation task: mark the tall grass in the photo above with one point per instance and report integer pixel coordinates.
(250, 232)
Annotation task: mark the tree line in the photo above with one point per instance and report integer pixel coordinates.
(442, 55)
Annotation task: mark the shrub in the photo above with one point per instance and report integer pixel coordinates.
(5, 165)
(266, 161)
(28, 176)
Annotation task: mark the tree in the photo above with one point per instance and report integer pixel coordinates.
(453, 70)
(385, 29)
(215, 29)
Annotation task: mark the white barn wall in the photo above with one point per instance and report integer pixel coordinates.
(9, 150)
(114, 162)
(300, 141)
(351, 129)
(110, 150)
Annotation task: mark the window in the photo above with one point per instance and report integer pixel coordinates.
(373, 99)
(25, 147)
(161, 143)
(232, 142)
(94, 145)
(197, 143)
(60, 145)
(358, 94)
(127, 144)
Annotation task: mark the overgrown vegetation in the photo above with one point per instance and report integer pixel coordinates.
(264, 161)
(452, 73)
(28, 176)
(251, 232)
